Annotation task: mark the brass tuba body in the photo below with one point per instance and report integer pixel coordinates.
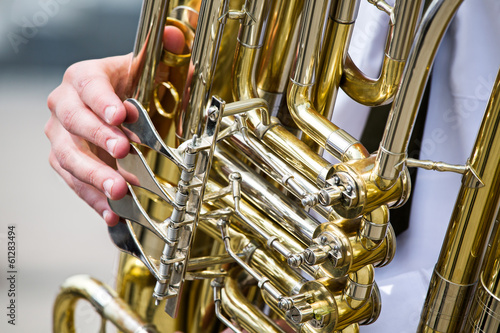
(235, 219)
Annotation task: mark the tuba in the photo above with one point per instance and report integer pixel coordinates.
(234, 218)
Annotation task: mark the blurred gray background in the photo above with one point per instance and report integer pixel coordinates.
(57, 235)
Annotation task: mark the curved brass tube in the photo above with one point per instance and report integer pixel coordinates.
(240, 308)
(317, 127)
(335, 140)
(392, 151)
(104, 300)
(359, 286)
(368, 91)
(380, 91)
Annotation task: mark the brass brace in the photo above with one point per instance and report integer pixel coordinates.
(472, 180)
(385, 7)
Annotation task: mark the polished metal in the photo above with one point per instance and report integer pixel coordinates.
(147, 51)
(142, 131)
(105, 301)
(392, 152)
(459, 265)
(235, 212)
(203, 60)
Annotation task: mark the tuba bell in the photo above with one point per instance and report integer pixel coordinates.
(235, 218)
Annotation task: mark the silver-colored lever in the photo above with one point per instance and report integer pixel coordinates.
(142, 131)
(129, 208)
(137, 172)
(125, 239)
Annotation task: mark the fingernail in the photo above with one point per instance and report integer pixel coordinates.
(106, 214)
(109, 113)
(111, 144)
(108, 186)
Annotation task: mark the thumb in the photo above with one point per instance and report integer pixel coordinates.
(173, 39)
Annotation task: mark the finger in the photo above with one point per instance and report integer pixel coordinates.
(73, 155)
(173, 39)
(79, 120)
(93, 197)
(96, 91)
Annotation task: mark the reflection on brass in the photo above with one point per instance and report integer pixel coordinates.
(175, 96)
(286, 239)
(459, 265)
(177, 60)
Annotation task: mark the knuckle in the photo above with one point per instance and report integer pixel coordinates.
(98, 135)
(79, 188)
(69, 120)
(53, 161)
(90, 177)
(63, 158)
(51, 101)
(83, 83)
(48, 128)
(72, 72)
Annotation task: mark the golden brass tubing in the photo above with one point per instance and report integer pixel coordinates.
(260, 220)
(249, 104)
(359, 286)
(186, 11)
(392, 151)
(298, 154)
(381, 91)
(354, 253)
(299, 100)
(366, 314)
(277, 55)
(457, 270)
(244, 88)
(368, 91)
(102, 298)
(373, 227)
(204, 58)
(308, 163)
(282, 210)
(330, 76)
(286, 280)
(484, 315)
(147, 51)
(242, 311)
(238, 142)
(204, 262)
(331, 307)
(335, 140)
(277, 138)
(368, 194)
